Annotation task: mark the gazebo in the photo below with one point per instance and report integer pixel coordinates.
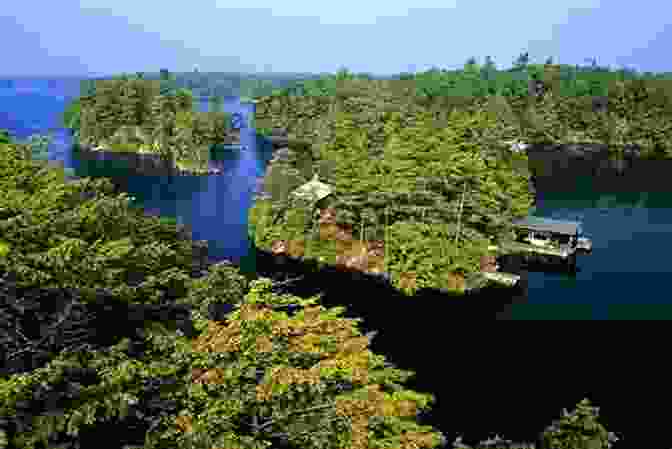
(313, 190)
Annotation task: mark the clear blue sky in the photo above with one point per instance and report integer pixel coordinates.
(378, 36)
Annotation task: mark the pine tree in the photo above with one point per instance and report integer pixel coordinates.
(579, 429)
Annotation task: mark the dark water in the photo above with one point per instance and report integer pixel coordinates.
(481, 374)
(626, 207)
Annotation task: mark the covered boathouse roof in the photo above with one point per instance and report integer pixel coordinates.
(540, 224)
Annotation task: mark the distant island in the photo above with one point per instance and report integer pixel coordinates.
(130, 114)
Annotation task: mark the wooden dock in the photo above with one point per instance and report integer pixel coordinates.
(517, 248)
(482, 279)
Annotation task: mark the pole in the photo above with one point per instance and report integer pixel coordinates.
(459, 217)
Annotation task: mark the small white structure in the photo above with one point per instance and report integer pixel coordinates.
(518, 147)
(313, 190)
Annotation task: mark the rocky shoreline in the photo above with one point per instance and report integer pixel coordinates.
(147, 161)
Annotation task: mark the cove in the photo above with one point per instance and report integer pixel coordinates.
(214, 207)
(625, 204)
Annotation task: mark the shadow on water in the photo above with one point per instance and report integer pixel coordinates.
(481, 373)
(428, 333)
(625, 204)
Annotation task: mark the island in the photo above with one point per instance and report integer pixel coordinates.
(408, 178)
(129, 114)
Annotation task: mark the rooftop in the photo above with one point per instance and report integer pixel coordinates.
(313, 190)
(533, 223)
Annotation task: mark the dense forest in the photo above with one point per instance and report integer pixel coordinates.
(202, 356)
(221, 84)
(199, 357)
(133, 114)
(420, 165)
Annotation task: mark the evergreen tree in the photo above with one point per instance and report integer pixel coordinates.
(522, 61)
(216, 103)
(130, 102)
(579, 429)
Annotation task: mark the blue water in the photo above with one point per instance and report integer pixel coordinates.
(628, 216)
(626, 209)
(214, 207)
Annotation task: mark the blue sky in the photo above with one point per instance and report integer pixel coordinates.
(98, 37)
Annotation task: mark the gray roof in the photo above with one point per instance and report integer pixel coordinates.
(548, 225)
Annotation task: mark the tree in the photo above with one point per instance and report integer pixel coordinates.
(4, 136)
(593, 63)
(38, 145)
(471, 67)
(579, 429)
(522, 61)
(216, 103)
(489, 64)
(167, 80)
(185, 99)
(489, 74)
(271, 369)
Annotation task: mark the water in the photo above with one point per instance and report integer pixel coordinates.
(215, 207)
(626, 209)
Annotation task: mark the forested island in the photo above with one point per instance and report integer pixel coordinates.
(130, 114)
(201, 356)
(418, 177)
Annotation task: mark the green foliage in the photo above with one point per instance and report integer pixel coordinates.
(4, 136)
(61, 240)
(391, 160)
(260, 376)
(38, 146)
(72, 116)
(263, 375)
(579, 430)
(132, 113)
(415, 142)
(4, 248)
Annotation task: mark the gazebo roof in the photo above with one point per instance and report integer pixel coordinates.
(313, 190)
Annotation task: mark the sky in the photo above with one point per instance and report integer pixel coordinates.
(102, 37)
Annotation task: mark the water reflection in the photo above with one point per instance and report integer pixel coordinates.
(626, 207)
(215, 207)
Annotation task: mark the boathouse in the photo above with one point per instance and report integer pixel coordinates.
(546, 229)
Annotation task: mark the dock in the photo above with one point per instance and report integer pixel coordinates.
(479, 280)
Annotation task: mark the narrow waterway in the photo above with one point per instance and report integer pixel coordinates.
(625, 206)
(214, 207)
